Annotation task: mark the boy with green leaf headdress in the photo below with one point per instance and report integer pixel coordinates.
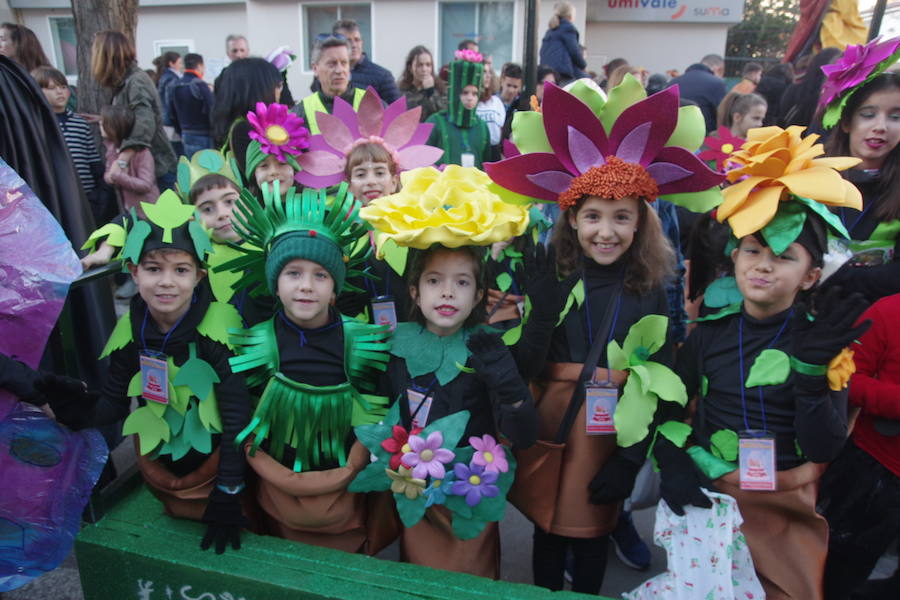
(171, 350)
(769, 373)
(310, 364)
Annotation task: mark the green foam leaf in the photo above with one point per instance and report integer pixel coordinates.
(150, 429)
(712, 466)
(634, 413)
(698, 202)
(395, 256)
(119, 338)
(665, 383)
(168, 213)
(200, 238)
(784, 227)
(645, 337)
(451, 427)
(134, 242)
(588, 94)
(722, 292)
(704, 385)
(829, 217)
(371, 479)
(504, 281)
(675, 431)
(724, 444)
(196, 374)
(134, 386)
(528, 132)
(410, 511)
(194, 431)
(771, 367)
(616, 357)
(219, 318)
(690, 130)
(209, 414)
(621, 97)
(113, 232)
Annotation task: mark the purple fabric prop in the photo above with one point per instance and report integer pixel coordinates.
(47, 471)
(580, 142)
(37, 264)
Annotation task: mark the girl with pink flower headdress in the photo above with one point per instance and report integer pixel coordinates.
(277, 138)
(369, 148)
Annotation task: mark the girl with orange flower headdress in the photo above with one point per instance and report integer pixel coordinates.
(602, 283)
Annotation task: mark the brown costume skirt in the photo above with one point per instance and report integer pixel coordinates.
(787, 538)
(431, 543)
(569, 469)
(508, 310)
(182, 497)
(313, 507)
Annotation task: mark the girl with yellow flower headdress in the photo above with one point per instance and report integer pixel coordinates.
(769, 378)
(446, 368)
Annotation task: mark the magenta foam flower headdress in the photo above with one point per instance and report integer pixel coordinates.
(276, 132)
(394, 128)
(630, 156)
(856, 67)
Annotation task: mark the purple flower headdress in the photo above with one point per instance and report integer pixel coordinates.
(276, 132)
(859, 65)
(624, 148)
(394, 128)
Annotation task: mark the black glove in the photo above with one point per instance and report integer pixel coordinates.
(817, 342)
(224, 521)
(681, 481)
(547, 293)
(72, 403)
(614, 481)
(495, 366)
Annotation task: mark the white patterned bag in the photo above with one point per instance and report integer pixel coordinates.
(707, 555)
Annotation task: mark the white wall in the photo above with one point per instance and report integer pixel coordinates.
(657, 47)
(6, 14)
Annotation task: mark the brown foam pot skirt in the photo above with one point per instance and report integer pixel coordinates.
(182, 497)
(787, 538)
(566, 468)
(313, 507)
(431, 543)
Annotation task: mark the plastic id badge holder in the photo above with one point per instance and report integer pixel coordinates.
(154, 378)
(600, 401)
(756, 457)
(384, 312)
(419, 407)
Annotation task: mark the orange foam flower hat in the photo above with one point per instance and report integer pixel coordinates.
(775, 166)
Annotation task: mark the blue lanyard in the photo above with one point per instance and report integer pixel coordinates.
(858, 218)
(589, 334)
(762, 404)
(373, 289)
(162, 348)
(302, 332)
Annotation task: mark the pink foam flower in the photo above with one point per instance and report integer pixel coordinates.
(468, 55)
(720, 147)
(394, 128)
(427, 457)
(278, 131)
(856, 64)
(489, 454)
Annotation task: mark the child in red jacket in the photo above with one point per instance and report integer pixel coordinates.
(860, 495)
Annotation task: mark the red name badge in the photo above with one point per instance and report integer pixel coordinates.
(600, 408)
(756, 459)
(154, 379)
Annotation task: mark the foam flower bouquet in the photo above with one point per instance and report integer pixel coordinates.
(425, 468)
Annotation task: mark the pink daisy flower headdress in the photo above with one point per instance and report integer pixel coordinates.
(274, 132)
(394, 128)
(859, 65)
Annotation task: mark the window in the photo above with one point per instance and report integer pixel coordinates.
(320, 19)
(488, 23)
(64, 41)
(182, 47)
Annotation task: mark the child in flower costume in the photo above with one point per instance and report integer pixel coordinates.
(310, 363)
(369, 148)
(448, 375)
(860, 101)
(171, 349)
(768, 377)
(463, 136)
(602, 281)
(274, 139)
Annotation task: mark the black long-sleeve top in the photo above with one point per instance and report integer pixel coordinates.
(231, 391)
(801, 410)
(517, 422)
(17, 377)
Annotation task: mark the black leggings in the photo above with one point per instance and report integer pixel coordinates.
(860, 498)
(548, 560)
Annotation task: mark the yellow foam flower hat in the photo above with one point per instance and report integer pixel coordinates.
(774, 164)
(454, 207)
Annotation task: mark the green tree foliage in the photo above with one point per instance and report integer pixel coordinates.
(763, 34)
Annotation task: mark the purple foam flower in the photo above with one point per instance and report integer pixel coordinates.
(474, 483)
(395, 128)
(856, 64)
(427, 457)
(489, 454)
(580, 142)
(278, 131)
(281, 57)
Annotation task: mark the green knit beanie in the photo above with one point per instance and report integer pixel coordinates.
(308, 245)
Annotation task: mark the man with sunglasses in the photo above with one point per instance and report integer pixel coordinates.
(331, 66)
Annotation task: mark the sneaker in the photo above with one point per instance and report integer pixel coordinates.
(630, 548)
(570, 566)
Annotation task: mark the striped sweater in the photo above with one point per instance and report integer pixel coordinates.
(80, 141)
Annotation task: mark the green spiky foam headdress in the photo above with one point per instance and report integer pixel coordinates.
(304, 225)
(466, 69)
